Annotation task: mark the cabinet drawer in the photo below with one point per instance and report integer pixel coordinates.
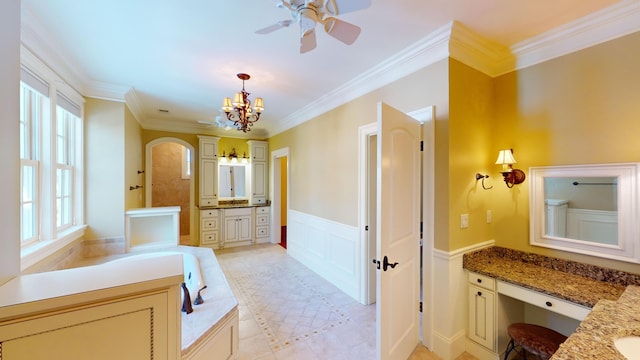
(544, 301)
(262, 220)
(237, 211)
(482, 281)
(209, 213)
(208, 202)
(262, 210)
(209, 238)
(209, 224)
(262, 231)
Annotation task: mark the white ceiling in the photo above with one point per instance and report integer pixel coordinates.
(183, 55)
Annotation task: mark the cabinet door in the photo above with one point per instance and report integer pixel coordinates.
(230, 229)
(208, 180)
(482, 316)
(258, 150)
(244, 228)
(259, 182)
(208, 149)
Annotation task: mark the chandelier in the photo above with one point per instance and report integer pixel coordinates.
(239, 111)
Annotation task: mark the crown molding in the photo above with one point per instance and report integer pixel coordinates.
(46, 49)
(132, 101)
(615, 21)
(423, 53)
(106, 91)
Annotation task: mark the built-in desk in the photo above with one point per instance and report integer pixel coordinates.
(503, 281)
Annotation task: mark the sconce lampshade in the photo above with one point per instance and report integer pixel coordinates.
(505, 157)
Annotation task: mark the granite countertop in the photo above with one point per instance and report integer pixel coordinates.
(608, 320)
(613, 296)
(533, 272)
(231, 206)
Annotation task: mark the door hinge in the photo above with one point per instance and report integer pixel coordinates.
(420, 306)
(421, 145)
(366, 228)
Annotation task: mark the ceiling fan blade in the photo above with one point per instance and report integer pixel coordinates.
(271, 28)
(308, 41)
(341, 30)
(339, 7)
(204, 122)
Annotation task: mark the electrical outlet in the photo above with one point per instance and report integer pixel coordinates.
(464, 221)
(488, 216)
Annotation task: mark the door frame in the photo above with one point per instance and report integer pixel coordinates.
(275, 192)
(426, 116)
(148, 181)
(365, 132)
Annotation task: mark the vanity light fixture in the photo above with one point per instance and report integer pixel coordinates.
(233, 157)
(511, 176)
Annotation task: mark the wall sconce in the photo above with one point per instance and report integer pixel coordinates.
(511, 176)
(233, 157)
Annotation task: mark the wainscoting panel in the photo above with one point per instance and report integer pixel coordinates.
(331, 249)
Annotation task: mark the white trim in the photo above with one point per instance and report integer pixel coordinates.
(330, 249)
(434, 47)
(364, 133)
(275, 194)
(427, 117)
(615, 21)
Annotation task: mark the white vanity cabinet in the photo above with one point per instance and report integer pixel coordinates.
(208, 170)
(237, 225)
(262, 224)
(482, 310)
(258, 154)
(210, 228)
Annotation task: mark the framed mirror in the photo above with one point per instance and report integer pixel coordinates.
(587, 209)
(232, 181)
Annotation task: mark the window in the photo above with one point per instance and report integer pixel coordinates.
(33, 105)
(50, 159)
(186, 163)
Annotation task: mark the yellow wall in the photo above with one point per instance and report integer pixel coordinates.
(132, 162)
(469, 151)
(323, 152)
(104, 170)
(578, 109)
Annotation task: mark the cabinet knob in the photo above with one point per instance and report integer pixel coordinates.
(479, 281)
(549, 304)
(479, 293)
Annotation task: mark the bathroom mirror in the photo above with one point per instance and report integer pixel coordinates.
(232, 181)
(587, 209)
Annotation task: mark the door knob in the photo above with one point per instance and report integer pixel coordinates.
(386, 264)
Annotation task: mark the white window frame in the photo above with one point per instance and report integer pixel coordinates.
(51, 237)
(186, 163)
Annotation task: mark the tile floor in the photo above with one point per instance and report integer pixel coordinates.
(289, 312)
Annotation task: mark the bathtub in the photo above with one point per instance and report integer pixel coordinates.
(191, 266)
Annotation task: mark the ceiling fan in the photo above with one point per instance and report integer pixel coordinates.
(307, 13)
(220, 121)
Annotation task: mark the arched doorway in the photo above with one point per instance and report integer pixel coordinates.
(169, 182)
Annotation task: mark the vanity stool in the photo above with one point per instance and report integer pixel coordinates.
(533, 339)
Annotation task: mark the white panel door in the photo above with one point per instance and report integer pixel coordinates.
(398, 236)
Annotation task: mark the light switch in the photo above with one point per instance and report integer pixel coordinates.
(464, 221)
(488, 216)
